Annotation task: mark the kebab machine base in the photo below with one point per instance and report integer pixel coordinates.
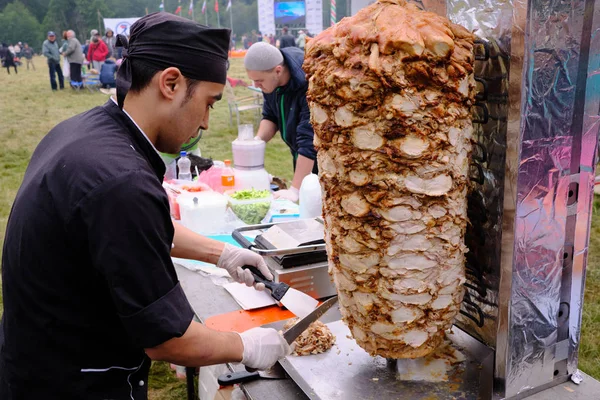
(294, 252)
(347, 372)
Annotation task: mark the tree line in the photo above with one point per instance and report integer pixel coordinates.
(28, 21)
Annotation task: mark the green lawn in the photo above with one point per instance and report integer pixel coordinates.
(28, 109)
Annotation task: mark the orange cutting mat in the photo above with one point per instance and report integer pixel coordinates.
(242, 320)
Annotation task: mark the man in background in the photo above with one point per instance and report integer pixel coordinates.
(279, 74)
(286, 40)
(301, 41)
(28, 54)
(74, 55)
(51, 52)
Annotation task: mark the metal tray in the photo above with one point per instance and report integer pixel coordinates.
(244, 242)
(347, 372)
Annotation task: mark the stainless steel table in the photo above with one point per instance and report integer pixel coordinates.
(208, 300)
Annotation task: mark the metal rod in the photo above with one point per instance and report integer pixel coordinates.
(189, 377)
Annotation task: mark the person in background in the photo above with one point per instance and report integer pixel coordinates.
(259, 37)
(85, 48)
(8, 58)
(11, 48)
(245, 42)
(233, 40)
(17, 50)
(279, 74)
(74, 55)
(286, 40)
(107, 74)
(51, 52)
(90, 292)
(301, 40)
(110, 40)
(66, 69)
(97, 52)
(28, 54)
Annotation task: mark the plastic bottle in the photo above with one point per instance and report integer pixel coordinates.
(310, 197)
(184, 164)
(227, 176)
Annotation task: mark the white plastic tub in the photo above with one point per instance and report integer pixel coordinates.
(203, 212)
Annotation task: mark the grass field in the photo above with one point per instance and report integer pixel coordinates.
(28, 109)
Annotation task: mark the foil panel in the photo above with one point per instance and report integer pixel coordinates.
(587, 165)
(553, 99)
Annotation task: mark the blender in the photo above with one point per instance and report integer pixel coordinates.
(249, 160)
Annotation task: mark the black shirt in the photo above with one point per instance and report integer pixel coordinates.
(87, 277)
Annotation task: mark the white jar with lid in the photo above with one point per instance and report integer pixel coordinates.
(203, 212)
(310, 197)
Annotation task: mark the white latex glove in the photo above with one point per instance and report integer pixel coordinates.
(233, 258)
(263, 347)
(291, 194)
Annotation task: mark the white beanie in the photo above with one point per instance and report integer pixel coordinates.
(262, 56)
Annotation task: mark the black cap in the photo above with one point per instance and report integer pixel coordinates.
(162, 40)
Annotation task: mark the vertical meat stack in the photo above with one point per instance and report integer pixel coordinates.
(390, 92)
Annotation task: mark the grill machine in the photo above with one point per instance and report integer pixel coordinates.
(536, 128)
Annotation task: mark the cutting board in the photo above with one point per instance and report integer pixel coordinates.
(241, 320)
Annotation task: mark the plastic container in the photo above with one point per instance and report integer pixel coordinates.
(203, 212)
(311, 201)
(227, 176)
(185, 167)
(251, 211)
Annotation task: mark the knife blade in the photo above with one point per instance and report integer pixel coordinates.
(294, 300)
(296, 330)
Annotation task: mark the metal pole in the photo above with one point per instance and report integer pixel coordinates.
(231, 18)
(218, 17)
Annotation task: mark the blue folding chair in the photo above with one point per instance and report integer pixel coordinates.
(92, 82)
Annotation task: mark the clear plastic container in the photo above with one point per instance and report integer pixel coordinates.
(251, 211)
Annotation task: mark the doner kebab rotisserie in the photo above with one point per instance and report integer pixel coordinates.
(390, 92)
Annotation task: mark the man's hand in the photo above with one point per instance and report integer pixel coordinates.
(263, 347)
(291, 194)
(233, 258)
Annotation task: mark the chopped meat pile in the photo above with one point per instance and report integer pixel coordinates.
(390, 92)
(316, 339)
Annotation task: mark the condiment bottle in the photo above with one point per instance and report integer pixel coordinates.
(227, 176)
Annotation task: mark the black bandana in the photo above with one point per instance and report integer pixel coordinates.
(162, 40)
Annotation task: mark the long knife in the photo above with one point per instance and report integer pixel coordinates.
(296, 330)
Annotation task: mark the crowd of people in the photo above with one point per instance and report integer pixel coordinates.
(12, 54)
(102, 56)
(286, 39)
(99, 54)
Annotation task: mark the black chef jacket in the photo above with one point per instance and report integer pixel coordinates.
(86, 271)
